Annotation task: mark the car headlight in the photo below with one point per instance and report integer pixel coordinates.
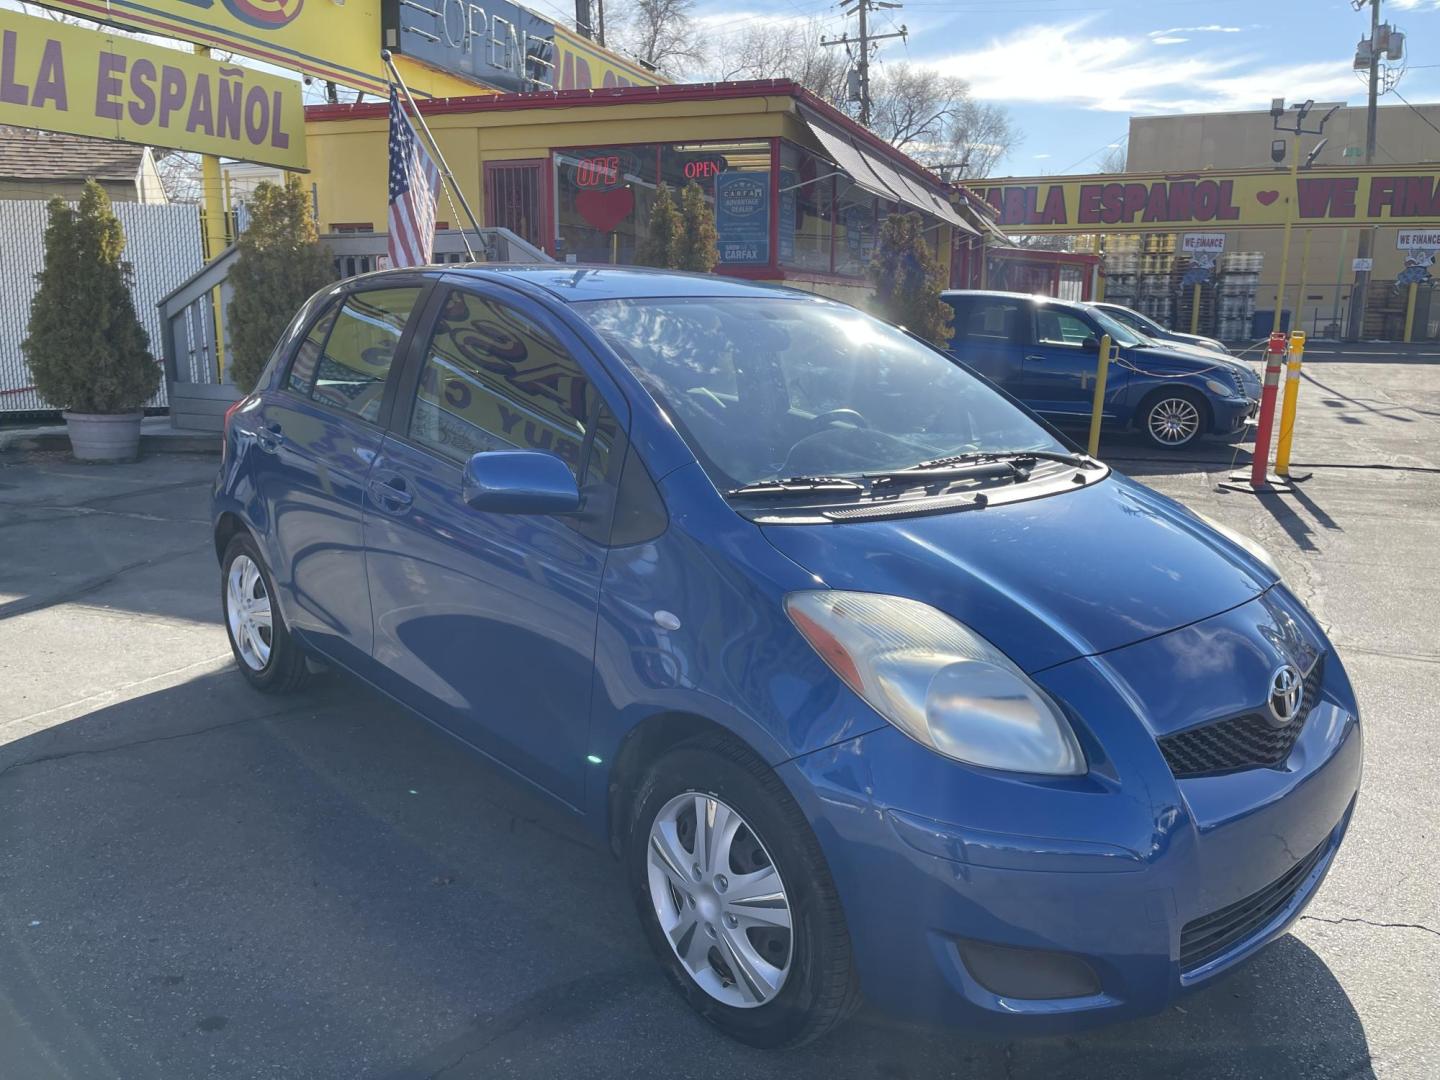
(1222, 389)
(1251, 547)
(938, 681)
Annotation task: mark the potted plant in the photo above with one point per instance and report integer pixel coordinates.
(86, 348)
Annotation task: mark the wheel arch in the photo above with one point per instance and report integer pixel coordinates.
(643, 745)
(228, 525)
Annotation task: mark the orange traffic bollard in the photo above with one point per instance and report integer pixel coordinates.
(1274, 360)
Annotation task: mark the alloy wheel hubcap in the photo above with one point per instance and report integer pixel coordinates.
(247, 610)
(720, 900)
(1174, 420)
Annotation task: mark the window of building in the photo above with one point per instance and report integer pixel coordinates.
(604, 195)
(807, 205)
(855, 224)
(360, 349)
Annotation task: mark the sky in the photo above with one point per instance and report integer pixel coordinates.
(1072, 72)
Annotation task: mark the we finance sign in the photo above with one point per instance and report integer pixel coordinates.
(58, 77)
(1232, 200)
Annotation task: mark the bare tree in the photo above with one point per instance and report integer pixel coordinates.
(1113, 160)
(934, 119)
(659, 33)
(180, 175)
(763, 49)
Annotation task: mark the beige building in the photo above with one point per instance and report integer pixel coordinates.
(42, 165)
(1242, 140)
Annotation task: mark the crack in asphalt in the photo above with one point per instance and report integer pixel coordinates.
(99, 750)
(37, 603)
(1369, 922)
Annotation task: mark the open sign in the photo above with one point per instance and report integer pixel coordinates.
(704, 168)
(603, 171)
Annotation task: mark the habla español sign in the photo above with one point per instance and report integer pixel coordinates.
(58, 77)
(1240, 200)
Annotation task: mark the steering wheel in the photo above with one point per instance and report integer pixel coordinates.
(849, 416)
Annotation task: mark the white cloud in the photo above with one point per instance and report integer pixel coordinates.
(1213, 28)
(1114, 73)
(1039, 157)
(1411, 5)
(1168, 40)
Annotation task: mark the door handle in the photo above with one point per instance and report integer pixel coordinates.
(269, 437)
(390, 494)
(1036, 359)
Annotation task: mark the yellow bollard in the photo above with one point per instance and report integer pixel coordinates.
(1410, 314)
(1287, 412)
(1195, 309)
(1102, 369)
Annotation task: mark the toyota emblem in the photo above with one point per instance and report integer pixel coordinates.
(1287, 690)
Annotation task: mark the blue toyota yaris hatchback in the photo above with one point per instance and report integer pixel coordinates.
(878, 688)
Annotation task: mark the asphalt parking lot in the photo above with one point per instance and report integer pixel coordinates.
(198, 881)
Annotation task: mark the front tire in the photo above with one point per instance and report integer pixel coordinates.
(264, 651)
(736, 899)
(1174, 419)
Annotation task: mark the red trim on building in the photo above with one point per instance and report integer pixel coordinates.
(632, 95)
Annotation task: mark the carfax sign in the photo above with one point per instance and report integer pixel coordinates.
(742, 218)
(59, 77)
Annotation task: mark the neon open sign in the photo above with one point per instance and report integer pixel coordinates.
(603, 172)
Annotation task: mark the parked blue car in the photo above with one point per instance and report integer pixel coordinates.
(1045, 351)
(879, 689)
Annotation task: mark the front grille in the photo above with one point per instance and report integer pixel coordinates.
(1251, 741)
(1205, 938)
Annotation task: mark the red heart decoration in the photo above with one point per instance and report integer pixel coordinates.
(1266, 197)
(605, 209)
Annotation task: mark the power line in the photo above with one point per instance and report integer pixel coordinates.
(1395, 90)
(865, 40)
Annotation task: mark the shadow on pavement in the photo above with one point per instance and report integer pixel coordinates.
(207, 881)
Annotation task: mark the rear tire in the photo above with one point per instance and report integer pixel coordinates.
(265, 653)
(1174, 419)
(766, 886)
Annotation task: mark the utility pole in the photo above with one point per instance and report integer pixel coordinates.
(865, 40)
(1355, 322)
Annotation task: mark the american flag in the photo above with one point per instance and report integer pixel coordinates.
(414, 183)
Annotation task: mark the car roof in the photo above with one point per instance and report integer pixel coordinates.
(573, 283)
(1040, 298)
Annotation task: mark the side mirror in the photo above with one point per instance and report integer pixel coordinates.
(519, 482)
(1091, 344)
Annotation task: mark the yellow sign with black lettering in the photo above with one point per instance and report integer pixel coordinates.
(58, 77)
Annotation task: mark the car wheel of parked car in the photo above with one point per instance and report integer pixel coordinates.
(736, 898)
(1174, 418)
(265, 652)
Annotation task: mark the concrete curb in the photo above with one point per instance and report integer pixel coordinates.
(22, 441)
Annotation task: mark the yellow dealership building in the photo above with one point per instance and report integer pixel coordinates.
(797, 187)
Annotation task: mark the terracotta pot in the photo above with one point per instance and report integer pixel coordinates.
(104, 436)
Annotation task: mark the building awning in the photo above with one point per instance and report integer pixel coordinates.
(877, 176)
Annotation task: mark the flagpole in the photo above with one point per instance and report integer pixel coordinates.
(444, 168)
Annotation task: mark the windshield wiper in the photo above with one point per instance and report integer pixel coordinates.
(797, 485)
(979, 464)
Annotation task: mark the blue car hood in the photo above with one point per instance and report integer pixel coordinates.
(1046, 580)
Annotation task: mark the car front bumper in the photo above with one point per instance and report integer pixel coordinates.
(1016, 905)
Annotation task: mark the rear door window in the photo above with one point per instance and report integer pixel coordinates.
(996, 319)
(355, 363)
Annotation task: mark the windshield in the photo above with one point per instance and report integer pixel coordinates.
(1117, 330)
(768, 388)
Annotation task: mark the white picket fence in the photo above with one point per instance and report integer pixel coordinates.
(162, 246)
